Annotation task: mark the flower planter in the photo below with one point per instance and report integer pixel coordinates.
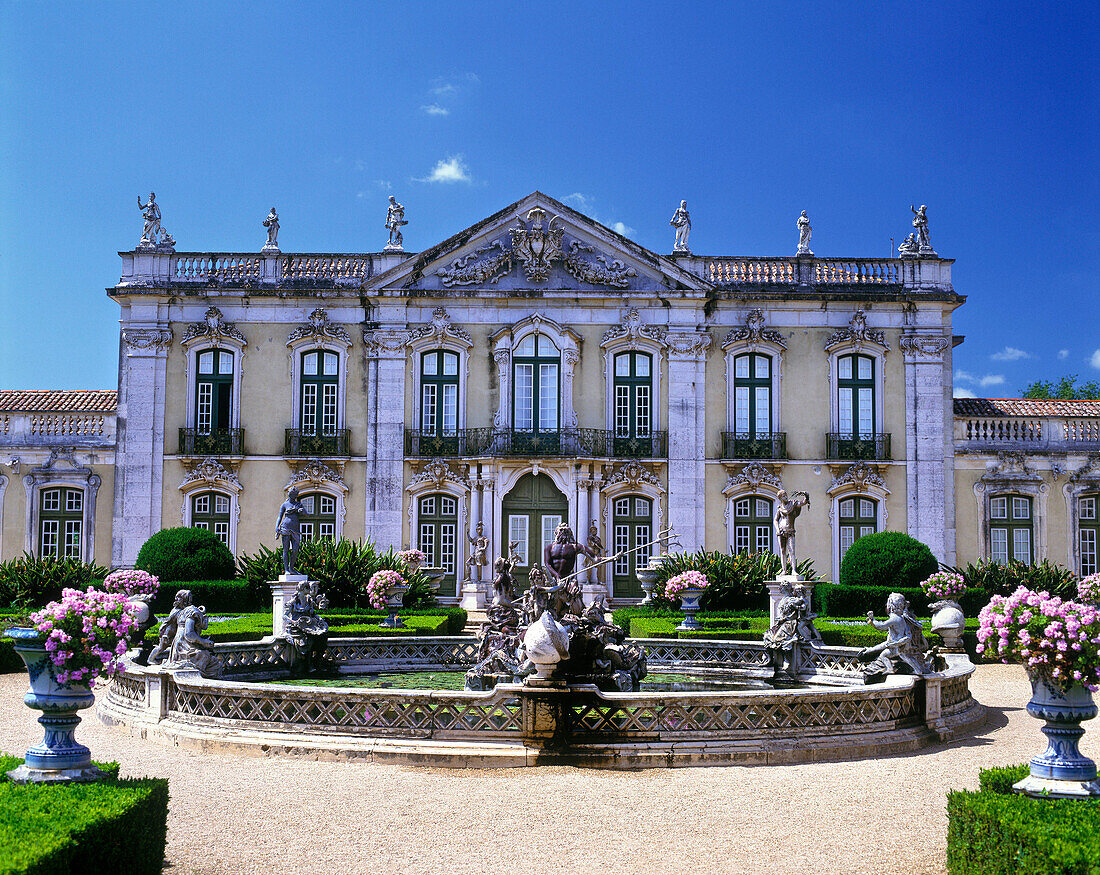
(647, 578)
(394, 596)
(59, 757)
(1061, 770)
(689, 603)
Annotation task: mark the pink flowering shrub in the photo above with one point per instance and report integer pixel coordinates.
(411, 557)
(1059, 639)
(944, 585)
(132, 582)
(86, 634)
(676, 585)
(1088, 589)
(379, 583)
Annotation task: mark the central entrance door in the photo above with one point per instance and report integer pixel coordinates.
(530, 514)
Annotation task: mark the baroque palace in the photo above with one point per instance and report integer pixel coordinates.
(537, 368)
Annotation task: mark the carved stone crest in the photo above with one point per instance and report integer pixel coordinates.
(141, 339)
(440, 327)
(214, 327)
(860, 475)
(1010, 466)
(537, 244)
(687, 345)
(1089, 471)
(210, 471)
(754, 332)
(633, 328)
(319, 328)
(613, 272)
(753, 475)
(857, 333)
(437, 472)
(315, 472)
(633, 474)
(928, 346)
(386, 342)
(472, 269)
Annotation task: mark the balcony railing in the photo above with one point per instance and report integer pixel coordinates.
(847, 446)
(740, 445)
(796, 271)
(492, 442)
(304, 443)
(1039, 433)
(216, 442)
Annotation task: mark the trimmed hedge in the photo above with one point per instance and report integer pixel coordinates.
(841, 600)
(998, 831)
(887, 559)
(217, 596)
(186, 554)
(117, 825)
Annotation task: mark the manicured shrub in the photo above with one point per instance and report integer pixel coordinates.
(891, 559)
(186, 554)
(117, 825)
(217, 596)
(838, 600)
(736, 581)
(1004, 578)
(341, 567)
(32, 581)
(997, 831)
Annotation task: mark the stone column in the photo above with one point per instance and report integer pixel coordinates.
(926, 486)
(139, 458)
(385, 436)
(282, 594)
(473, 591)
(687, 436)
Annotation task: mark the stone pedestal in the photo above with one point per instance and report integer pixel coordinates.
(282, 593)
(781, 587)
(473, 597)
(593, 592)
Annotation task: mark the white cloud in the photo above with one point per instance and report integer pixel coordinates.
(443, 88)
(620, 228)
(581, 201)
(991, 380)
(1095, 360)
(963, 393)
(435, 109)
(450, 169)
(384, 184)
(965, 377)
(1063, 354)
(1010, 354)
(586, 204)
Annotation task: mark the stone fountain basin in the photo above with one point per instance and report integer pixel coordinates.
(834, 717)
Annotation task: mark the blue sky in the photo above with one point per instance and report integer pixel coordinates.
(752, 112)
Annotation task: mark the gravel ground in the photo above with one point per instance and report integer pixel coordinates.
(242, 815)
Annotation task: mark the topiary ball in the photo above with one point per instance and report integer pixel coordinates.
(890, 559)
(186, 554)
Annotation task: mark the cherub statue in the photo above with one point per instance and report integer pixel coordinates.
(189, 648)
(168, 627)
(307, 631)
(904, 644)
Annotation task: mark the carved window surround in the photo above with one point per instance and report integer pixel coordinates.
(850, 482)
(633, 335)
(50, 475)
(213, 333)
(439, 477)
(313, 475)
(211, 475)
(1012, 473)
(507, 339)
(440, 334)
(630, 478)
(748, 338)
(318, 333)
(858, 338)
(745, 480)
(1084, 481)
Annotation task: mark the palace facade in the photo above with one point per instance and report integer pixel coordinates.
(534, 368)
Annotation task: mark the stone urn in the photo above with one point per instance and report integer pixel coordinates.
(647, 577)
(394, 598)
(546, 643)
(435, 577)
(949, 623)
(1061, 770)
(689, 604)
(59, 757)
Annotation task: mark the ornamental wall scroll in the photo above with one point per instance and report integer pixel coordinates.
(138, 340)
(211, 472)
(753, 331)
(441, 328)
(612, 273)
(214, 327)
(752, 477)
(319, 329)
(857, 334)
(632, 328)
(314, 472)
(436, 473)
(861, 476)
(633, 474)
(926, 346)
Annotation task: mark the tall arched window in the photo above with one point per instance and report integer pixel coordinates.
(319, 517)
(1010, 528)
(61, 522)
(752, 525)
(858, 517)
(633, 404)
(210, 510)
(536, 368)
(439, 399)
(632, 527)
(320, 389)
(214, 391)
(856, 396)
(1088, 527)
(437, 537)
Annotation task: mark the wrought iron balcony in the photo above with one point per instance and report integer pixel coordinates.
(215, 442)
(652, 446)
(580, 442)
(849, 446)
(741, 445)
(303, 443)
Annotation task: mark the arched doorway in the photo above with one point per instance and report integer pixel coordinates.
(530, 513)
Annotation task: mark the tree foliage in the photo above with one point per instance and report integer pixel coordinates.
(1067, 389)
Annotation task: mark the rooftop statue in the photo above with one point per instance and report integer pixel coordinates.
(272, 225)
(395, 218)
(152, 234)
(681, 221)
(920, 222)
(288, 527)
(805, 232)
(786, 512)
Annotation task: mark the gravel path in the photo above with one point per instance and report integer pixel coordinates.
(241, 815)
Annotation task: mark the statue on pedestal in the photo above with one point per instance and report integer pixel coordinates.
(479, 555)
(152, 234)
(272, 225)
(395, 218)
(560, 559)
(168, 628)
(792, 630)
(595, 548)
(681, 221)
(288, 527)
(306, 631)
(787, 510)
(805, 232)
(920, 222)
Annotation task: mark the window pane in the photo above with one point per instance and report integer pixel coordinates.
(641, 366)
(548, 397)
(1088, 508)
(427, 542)
(845, 405)
(51, 499)
(307, 504)
(763, 509)
(1021, 509)
(309, 408)
(306, 531)
(622, 365)
(222, 531)
(847, 538)
(202, 504)
(1021, 544)
(741, 508)
(328, 409)
(225, 363)
(309, 364)
(74, 501)
(741, 409)
(427, 408)
(517, 532)
(998, 539)
(206, 362)
(50, 529)
(221, 503)
(763, 411)
(866, 508)
(621, 543)
(524, 397)
(762, 367)
(550, 523)
(331, 364)
(448, 547)
(326, 530)
(741, 539)
(641, 410)
(763, 539)
(72, 538)
(864, 368)
(205, 407)
(427, 506)
(741, 366)
(1088, 551)
(866, 530)
(450, 364)
(641, 537)
(431, 364)
(447, 506)
(844, 368)
(526, 346)
(622, 507)
(450, 408)
(998, 508)
(641, 507)
(547, 346)
(866, 413)
(622, 411)
(847, 507)
(328, 504)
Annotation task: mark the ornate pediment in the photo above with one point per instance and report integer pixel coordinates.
(214, 327)
(440, 328)
(752, 477)
(857, 334)
(1010, 466)
(633, 474)
(211, 472)
(633, 328)
(753, 332)
(314, 472)
(319, 329)
(538, 242)
(860, 475)
(435, 473)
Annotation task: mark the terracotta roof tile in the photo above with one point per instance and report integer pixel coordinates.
(1024, 407)
(58, 400)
